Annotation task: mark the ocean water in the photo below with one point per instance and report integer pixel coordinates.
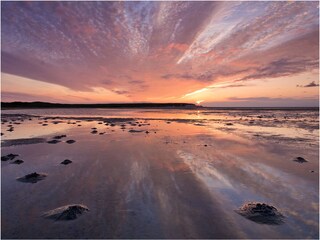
(181, 174)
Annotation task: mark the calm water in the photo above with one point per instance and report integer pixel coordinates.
(183, 179)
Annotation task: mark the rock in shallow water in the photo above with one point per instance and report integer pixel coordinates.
(32, 177)
(59, 136)
(135, 131)
(261, 213)
(10, 156)
(53, 141)
(300, 160)
(18, 161)
(22, 141)
(68, 212)
(66, 162)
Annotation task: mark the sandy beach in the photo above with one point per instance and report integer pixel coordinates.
(159, 173)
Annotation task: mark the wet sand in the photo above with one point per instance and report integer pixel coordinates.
(173, 177)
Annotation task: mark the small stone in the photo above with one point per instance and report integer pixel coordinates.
(18, 161)
(54, 141)
(70, 141)
(300, 160)
(59, 136)
(66, 162)
(10, 156)
(134, 131)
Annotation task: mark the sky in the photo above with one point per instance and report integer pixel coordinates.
(210, 53)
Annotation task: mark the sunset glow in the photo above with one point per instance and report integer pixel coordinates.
(208, 53)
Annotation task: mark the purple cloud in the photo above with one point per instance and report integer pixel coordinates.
(312, 84)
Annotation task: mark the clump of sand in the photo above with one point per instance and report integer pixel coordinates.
(261, 213)
(68, 212)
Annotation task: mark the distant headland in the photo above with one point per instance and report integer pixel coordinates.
(30, 105)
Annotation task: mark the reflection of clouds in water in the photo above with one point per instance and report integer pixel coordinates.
(207, 172)
(138, 173)
(240, 180)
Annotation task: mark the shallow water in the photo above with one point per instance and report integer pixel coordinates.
(183, 179)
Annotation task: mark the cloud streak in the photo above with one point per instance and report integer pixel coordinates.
(312, 84)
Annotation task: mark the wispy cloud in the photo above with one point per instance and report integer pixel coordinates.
(312, 84)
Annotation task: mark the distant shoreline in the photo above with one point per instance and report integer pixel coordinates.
(47, 105)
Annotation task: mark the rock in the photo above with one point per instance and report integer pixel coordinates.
(18, 161)
(59, 136)
(261, 213)
(10, 156)
(300, 160)
(135, 131)
(205, 145)
(32, 177)
(94, 131)
(53, 141)
(66, 162)
(70, 141)
(68, 212)
(22, 141)
(101, 133)
(229, 124)
(147, 132)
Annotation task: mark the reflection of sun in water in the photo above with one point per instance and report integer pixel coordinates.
(199, 101)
